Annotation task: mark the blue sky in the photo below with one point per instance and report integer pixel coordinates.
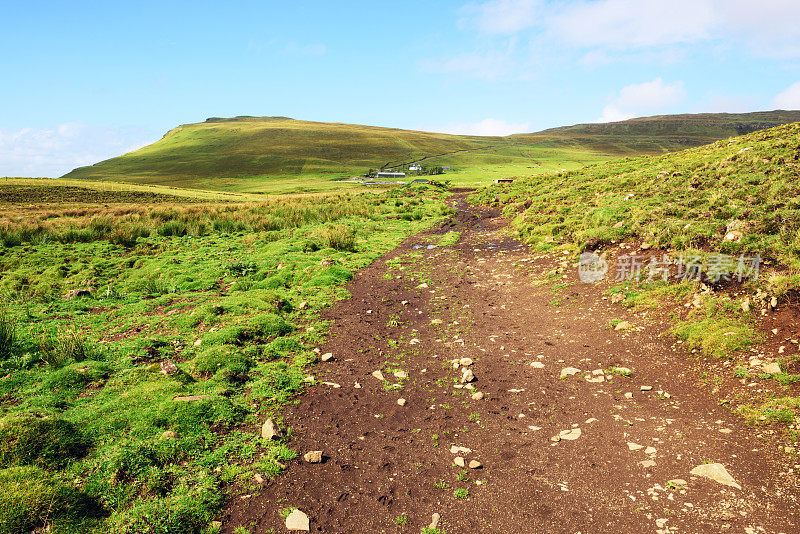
(84, 81)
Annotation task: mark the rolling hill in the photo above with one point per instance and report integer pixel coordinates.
(282, 154)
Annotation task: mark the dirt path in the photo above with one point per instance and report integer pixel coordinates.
(490, 299)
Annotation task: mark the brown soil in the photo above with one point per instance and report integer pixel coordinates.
(499, 304)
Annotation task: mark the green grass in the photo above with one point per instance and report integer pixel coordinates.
(281, 155)
(88, 419)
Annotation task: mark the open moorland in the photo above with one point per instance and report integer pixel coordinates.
(281, 155)
(610, 348)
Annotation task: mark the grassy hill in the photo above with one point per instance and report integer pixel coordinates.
(278, 154)
(681, 200)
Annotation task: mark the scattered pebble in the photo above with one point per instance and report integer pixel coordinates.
(569, 371)
(297, 520)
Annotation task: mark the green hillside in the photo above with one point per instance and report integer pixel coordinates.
(278, 154)
(683, 200)
(662, 133)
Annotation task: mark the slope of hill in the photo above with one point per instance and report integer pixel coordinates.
(695, 198)
(663, 133)
(255, 153)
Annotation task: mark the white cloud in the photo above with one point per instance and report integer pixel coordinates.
(788, 99)
(501, 16)
(486, 127)
(642, 99)
(768, 28)
(55, 151)
(632, 23)
(476, 65)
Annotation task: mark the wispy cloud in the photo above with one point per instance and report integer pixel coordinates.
(487, 127)
(55, 151)
(642, 99)
(789, 98)
(490, 64)
(766, 29)
(501, 16)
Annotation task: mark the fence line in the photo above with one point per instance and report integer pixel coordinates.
(156, 189)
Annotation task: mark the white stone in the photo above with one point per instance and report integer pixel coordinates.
(297, 520)
(569, 371)
(313, 457)
(717, 473)
(270, 430)
(378, 374)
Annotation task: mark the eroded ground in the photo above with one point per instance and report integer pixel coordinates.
(593, 451)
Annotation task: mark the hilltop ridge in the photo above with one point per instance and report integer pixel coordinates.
(247, 149)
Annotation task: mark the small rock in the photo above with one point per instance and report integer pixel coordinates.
(647, 463)
(478, 395)
(168, 368)
(303, 305)
(297, 520)
(422, 286)
(357, 385)
(169, 434)
(459, 450)
(772, 368)
(216, 524)
(537, 365)
(629, 395)
(622, 325)
(650, 451)
(191, 398)
(378, 374)
(258, 478)
(435, 518)
(328, 356)
(475, 464)
(467, 376)
(401, 402)
(634, 446)
(198, 342)
(313, 457)
(646, 246)
(269, 430)
(661, 523)
(717, 473)
(459, 461)
(465, 362)
(646, 388)
(400, 375)
(571, 434)
(334, 385)
(569, 371)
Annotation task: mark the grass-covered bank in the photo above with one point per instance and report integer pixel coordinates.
(139, 344)
(733, 200)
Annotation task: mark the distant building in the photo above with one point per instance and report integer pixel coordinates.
(446, 167)
(504, 181)
(415, 167)
(387, 174)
